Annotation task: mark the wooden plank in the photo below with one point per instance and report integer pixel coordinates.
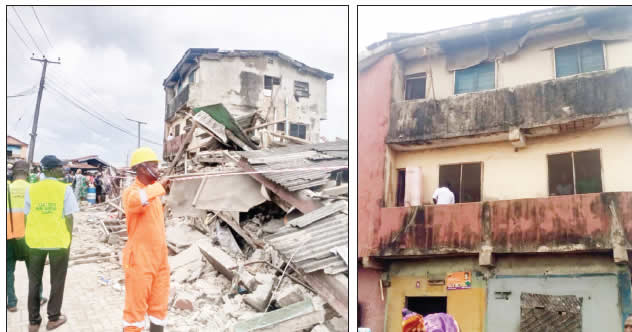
(186, 142)
(263, 125)
(291, 138)
(293, 199)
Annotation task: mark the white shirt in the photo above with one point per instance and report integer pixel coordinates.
(443, 195)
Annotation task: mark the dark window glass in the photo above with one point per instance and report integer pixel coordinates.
(416, 87)
(401, 186)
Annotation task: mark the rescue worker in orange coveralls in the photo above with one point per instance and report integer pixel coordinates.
(145, 255)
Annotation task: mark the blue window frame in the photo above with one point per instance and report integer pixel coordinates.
(476, 78)
(579, 58)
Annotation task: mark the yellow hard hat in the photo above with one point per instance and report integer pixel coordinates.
(142, 155)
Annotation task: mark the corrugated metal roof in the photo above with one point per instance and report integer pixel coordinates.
(314, 246)
(330, 154)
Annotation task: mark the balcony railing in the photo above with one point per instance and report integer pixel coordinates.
(176, 102)
(559, 101)
(554, 224)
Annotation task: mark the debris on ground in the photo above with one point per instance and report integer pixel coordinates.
(257, 238)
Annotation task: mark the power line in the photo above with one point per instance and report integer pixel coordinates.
(26, 92)
(40, 24)
(27, 30)
(58, 80)
(17, 34)
(83, 108)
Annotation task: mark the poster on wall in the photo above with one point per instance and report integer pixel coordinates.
(459, 280)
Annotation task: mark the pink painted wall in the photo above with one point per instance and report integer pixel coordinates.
(371, 304)
(374, 100)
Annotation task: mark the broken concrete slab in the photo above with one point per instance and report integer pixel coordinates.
(182, 236)
(289, 295)
(337, 324)
(295, 317)
(260, 298)
(230, 193)
(226, 240)
(184, 304)
(225, 264)
(186, 257)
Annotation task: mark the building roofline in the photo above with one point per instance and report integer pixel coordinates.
(23, 143)
(190, 55)
(533, 19)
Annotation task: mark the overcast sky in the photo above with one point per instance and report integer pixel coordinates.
(375, 22)
(114, 60)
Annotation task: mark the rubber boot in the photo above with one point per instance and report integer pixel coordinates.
(155, 328)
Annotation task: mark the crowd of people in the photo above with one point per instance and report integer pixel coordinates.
(40, 208)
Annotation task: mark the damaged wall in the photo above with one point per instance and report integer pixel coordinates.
(511, 175)
(551, 102)
(238, 83)
(532, 62)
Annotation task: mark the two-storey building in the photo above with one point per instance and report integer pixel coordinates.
(255, 86)
(529, 119)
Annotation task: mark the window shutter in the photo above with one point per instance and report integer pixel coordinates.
(485, 76)
(477, 78)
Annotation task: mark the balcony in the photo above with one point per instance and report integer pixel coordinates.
(555, 102)
(176, 102)
(588, 222)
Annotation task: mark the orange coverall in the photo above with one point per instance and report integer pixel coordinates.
(145, 257)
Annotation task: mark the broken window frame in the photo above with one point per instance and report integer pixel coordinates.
(409, 83)
(270, 81)
(458, 196)
(301, 89)
(572, 154)
(476, 69)
(400, 187)
(578, 57)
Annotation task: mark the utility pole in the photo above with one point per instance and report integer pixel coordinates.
(139, 123)
(37, 106)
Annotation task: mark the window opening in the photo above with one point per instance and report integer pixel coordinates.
(301, 89)
(574, 173)
(426, 305)
(269, 82)
(401, 186)
(476, 78)
(579, 58)
(464, 181)
(298, 130)
(177, 130)
(416, 86)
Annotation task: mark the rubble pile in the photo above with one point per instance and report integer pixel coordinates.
(257, 238)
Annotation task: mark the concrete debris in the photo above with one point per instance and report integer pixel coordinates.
(182, 236)
(187, 256)
(226, 240)
(295, 317)
(225, 264)
(289, 295)
(337, 324)
(273, 226)
(260, 298)
(184, 304)
(320, 328)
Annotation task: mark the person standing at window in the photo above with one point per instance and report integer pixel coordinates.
(443, 194)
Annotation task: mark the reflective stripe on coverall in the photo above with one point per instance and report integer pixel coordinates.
(145, 257)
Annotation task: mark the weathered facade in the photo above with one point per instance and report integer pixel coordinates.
(529, 118)
(257, 87)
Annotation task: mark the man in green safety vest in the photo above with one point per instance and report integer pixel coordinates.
(16, 247)
(48, 206)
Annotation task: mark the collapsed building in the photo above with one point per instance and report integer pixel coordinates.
(528, 118)
(257, 216)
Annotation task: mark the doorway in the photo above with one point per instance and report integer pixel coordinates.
(425, 305)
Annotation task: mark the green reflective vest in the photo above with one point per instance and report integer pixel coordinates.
(46, 226)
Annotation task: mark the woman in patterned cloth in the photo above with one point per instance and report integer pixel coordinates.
(440, 322)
